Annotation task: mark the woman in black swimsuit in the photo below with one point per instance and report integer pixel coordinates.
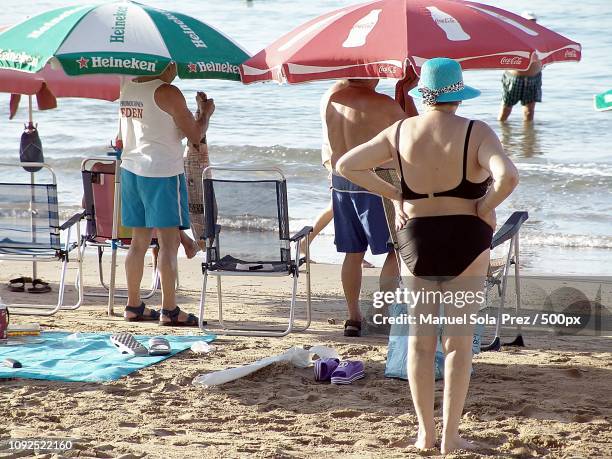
(454, 173)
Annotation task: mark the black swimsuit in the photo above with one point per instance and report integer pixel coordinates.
(442, 247)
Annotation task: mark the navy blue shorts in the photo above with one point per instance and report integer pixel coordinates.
(359, 219)
(154, 202)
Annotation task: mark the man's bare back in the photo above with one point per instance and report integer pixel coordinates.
(534, 68)
(354, 113)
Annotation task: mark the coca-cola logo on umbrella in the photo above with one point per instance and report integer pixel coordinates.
(511, 60)
(387, 69)
(571, 53)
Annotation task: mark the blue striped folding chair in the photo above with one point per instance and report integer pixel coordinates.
(30, 229)
(246, 230)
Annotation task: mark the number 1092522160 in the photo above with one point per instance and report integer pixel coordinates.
(38, 444)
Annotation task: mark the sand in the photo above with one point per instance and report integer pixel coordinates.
(551, 399)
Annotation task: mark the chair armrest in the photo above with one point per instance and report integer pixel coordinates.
(301, 234)
(510, 228)
(72, 220)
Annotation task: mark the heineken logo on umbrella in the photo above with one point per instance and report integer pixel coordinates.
(224, 67)
(118, 34)
(19, 58)
(116, 63)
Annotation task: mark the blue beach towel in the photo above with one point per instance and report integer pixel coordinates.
(82, 357)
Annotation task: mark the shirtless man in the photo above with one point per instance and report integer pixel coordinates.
(524, 86)
(352, 113)
(154, 120)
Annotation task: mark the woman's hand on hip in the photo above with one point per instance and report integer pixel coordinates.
(488, 216)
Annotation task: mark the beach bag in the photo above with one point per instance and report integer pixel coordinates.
(397, 353)
(30, 148)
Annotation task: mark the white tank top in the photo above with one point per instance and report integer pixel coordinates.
(152, 144)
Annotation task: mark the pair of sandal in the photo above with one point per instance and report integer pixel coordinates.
(173, 315)
(126, 343)
(337, 372)
(38, 285)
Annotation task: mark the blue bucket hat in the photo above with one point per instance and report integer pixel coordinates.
(442, 81)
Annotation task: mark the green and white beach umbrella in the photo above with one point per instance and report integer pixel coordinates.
(122, 37)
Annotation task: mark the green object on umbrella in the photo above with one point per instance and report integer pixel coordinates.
(603, 101)
(122, 38)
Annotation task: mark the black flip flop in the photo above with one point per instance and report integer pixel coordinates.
(192, 320)
(139, 311)
(39, 286)
(18, 284)
(352, 328)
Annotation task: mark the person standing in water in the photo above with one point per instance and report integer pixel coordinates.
(524, 86)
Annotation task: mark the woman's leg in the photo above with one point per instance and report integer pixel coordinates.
(457, 344)
(421, 352)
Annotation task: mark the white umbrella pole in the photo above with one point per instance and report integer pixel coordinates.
(33, 226)
(114, 242)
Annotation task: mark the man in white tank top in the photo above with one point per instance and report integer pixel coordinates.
(154, 120)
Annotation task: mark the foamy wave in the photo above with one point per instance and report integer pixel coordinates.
(583, 170)
(568, 240)
(249, 223)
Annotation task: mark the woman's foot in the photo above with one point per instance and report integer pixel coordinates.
(425, 440)
(450, 445)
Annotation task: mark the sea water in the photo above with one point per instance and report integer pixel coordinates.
(564, 158)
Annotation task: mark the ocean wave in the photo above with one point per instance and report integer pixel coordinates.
(580, 170)
(567, 240)
(70, 158)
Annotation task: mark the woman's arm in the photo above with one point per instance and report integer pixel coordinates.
(491, 157)
(357, 164)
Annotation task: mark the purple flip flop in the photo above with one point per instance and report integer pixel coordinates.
(347, 372)
(323, 368)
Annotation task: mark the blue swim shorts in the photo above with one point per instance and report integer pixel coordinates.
(359, 219)
(154, 202)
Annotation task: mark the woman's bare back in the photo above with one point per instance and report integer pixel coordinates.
(431, 147)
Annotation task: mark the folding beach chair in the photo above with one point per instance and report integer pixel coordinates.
(30, 229)
(98, 200)
(246, 231)
(499, 270)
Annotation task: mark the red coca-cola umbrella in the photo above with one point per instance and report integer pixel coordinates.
(380, 38)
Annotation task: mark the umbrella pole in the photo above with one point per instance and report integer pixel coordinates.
(115, 239)
(32, 224)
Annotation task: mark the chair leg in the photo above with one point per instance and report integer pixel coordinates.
(518, 341)
(45, 310)
(495, 345)
(308, 284)
(122, 293)
(202, 302)
(111, 289)
(79, 275)
(225, 330)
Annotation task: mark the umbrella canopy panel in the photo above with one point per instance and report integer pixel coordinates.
(378, 39)
(120, 38)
